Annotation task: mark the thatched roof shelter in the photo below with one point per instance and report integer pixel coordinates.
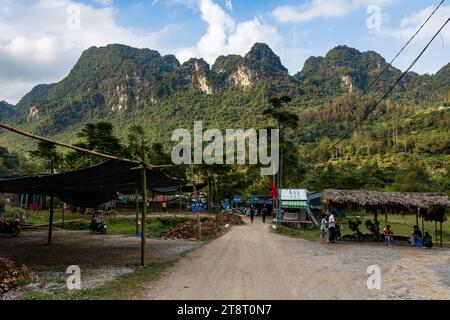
(432, 206)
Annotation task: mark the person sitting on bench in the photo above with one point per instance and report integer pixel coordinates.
(416, 239)
(388, 235)
(427, 241)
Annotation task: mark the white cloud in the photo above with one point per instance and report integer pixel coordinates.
(439, 49)
(37, 45)
(229, 4)
(225, 36)
(322, 9)
(410, 24)
(105, 2)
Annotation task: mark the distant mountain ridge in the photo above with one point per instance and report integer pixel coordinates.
(6, 110)
(112, 81)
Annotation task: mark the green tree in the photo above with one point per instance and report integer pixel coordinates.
(412, 179)
(98, 137)
(48, 153)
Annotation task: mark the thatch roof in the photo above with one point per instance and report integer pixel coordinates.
(432, 206)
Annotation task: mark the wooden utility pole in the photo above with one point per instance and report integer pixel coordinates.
(417, 216)
(181, 191)
(136, 199)
(50, 223)
(144, 204)
(423, 226)
(52, 204)
(196, 198)
(435, 231)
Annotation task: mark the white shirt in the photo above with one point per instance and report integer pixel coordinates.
(331, 221)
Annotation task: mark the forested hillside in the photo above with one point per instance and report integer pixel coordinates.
(127, 86)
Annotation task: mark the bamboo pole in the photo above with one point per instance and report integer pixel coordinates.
(417, 216)
(136, 199)
(423, 226)
(144, 205)
(195, 199)
(69, 146)
(50, 224)
(435, 231)
(180, 199)
(52, 204)
(209, 198)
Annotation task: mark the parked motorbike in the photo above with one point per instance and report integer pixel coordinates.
(11, 227)
(374, 229)
(356, 234)
(98, 227)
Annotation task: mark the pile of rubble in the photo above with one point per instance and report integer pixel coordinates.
(209, 229)
(229, 218)
(11, 275)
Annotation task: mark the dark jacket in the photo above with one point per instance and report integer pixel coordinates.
(264, 212)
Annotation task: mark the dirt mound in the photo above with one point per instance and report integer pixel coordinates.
(11, 275)
(209, 228)
(190, 230)
(229, 218)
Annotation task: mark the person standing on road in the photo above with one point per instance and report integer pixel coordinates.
(252, 214)
(264, 213)
(332, 227)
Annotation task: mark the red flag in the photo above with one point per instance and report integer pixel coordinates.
(274, 191)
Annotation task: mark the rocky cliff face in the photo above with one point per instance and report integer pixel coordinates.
(118, 78)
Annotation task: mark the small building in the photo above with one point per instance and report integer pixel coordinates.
(294, 203)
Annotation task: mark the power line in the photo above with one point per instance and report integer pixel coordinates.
(398, 54)
(395, 84)
(391, 88)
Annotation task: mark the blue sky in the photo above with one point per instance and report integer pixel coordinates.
(40, 40)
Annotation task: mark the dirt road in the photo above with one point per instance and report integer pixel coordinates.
(251, 262)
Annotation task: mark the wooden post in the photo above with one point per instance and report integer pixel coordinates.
(417, 216)
(435, 231)
(209, 197)
(52, 204)
(441, 231)
(180, 199)
(136, 200)
(423, 226)
(144, 205)
(195, 199)
(50, 223)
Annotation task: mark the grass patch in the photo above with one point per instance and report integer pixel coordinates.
(122, 288)
(127, 226)
(298, 233)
